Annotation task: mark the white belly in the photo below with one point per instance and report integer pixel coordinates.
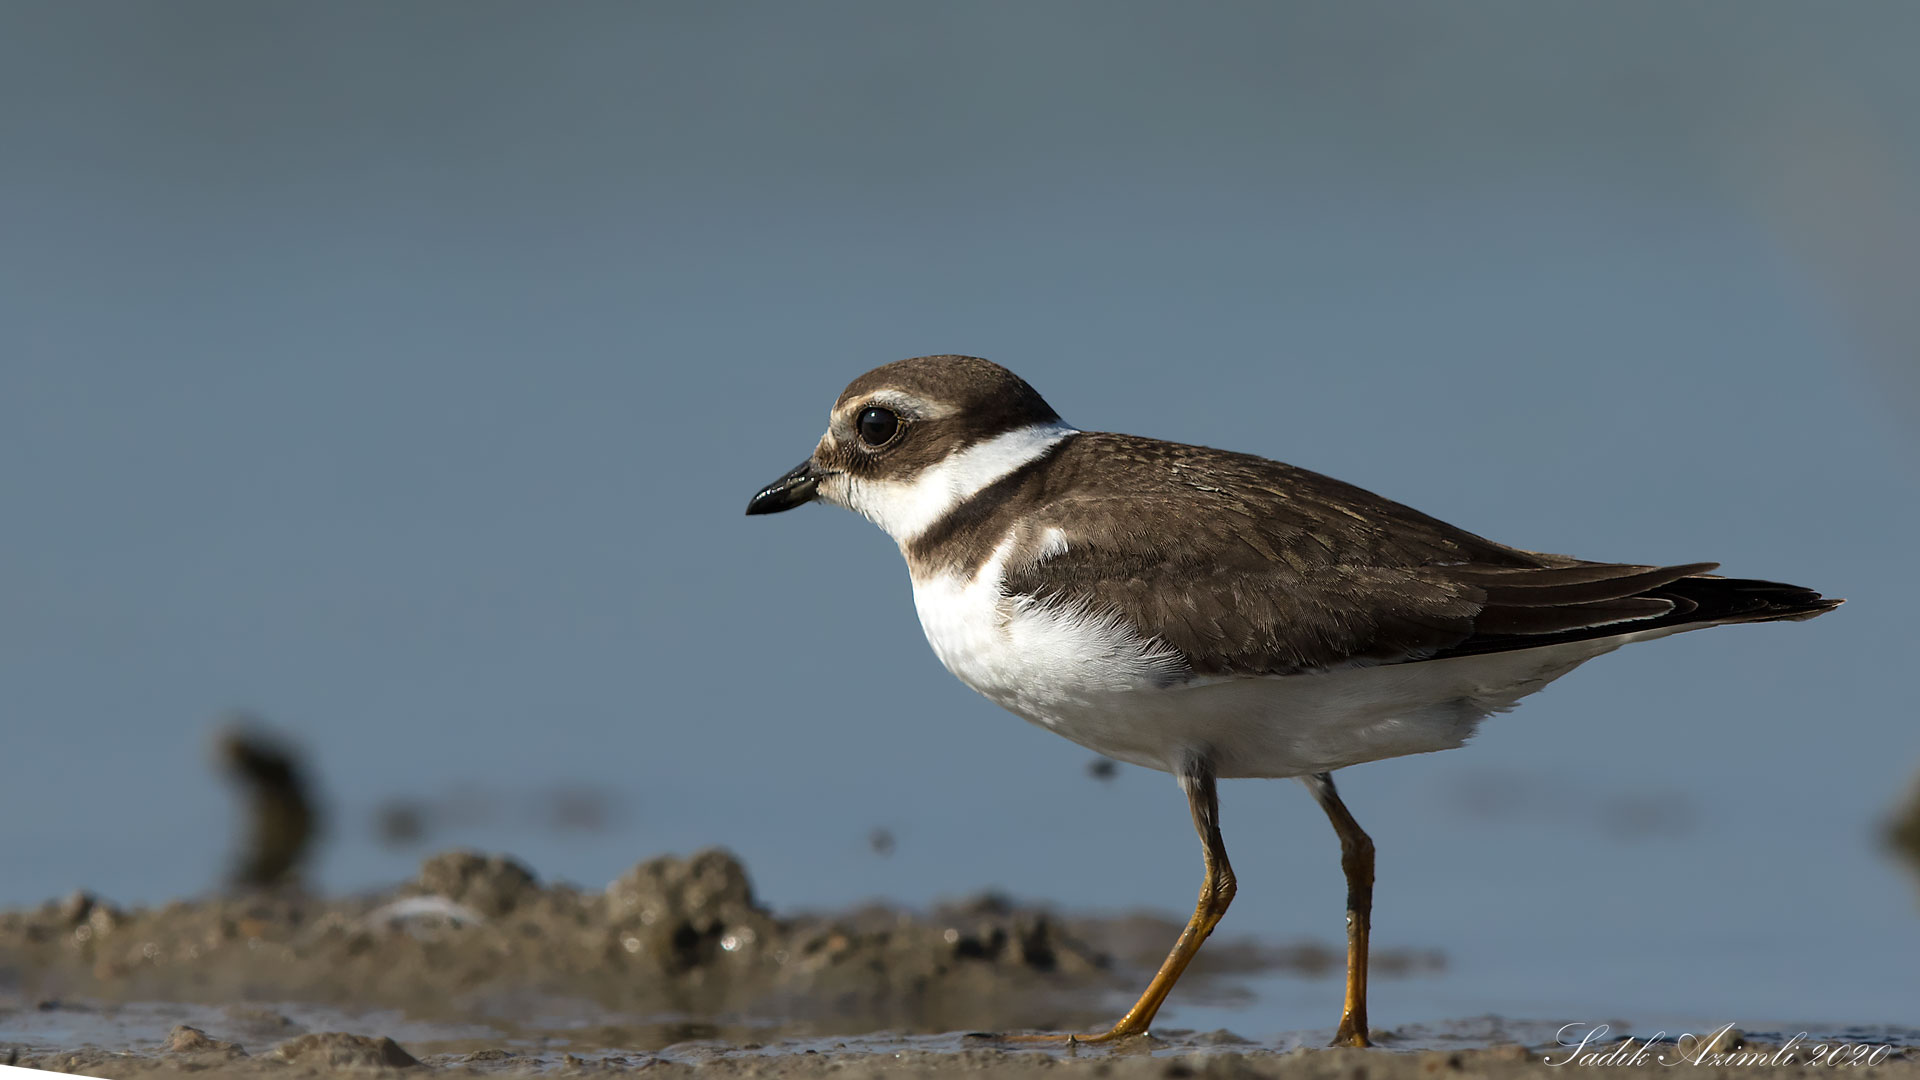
(1091, 678)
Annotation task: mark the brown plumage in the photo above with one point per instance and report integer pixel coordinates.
(1253, 567)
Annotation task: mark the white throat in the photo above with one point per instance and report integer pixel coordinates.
(905, 509)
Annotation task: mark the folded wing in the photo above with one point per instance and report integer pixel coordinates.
(1284, 571)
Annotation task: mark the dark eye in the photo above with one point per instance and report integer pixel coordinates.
(877, 426)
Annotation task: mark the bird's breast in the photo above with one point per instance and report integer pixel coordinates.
(1037, 658)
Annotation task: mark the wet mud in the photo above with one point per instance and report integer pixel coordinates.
(476, 967)
(1417, 1054)
(478, 935)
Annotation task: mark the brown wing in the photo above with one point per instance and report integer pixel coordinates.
(1252, 567)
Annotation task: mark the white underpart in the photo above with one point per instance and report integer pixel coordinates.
(1091, 677)
(905, 509)
(1297, 725)
(1033, 658)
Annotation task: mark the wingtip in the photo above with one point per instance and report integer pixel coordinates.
(1814, 608)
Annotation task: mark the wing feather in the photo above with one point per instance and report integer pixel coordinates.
(1251, 567)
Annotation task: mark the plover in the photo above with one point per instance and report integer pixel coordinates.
(1213, 614)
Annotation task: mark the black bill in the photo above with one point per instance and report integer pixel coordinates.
(789, 491)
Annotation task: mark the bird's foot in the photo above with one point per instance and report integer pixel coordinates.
(1353, 1032)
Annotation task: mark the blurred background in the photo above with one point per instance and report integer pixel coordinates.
(400, 373)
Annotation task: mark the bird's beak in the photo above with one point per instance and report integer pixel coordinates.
(796, 487)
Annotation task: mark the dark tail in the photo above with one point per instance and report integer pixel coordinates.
(1530, 607)
(1718, 599)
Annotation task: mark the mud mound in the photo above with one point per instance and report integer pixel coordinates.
(673, 935)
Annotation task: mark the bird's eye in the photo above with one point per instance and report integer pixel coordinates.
(877, 426)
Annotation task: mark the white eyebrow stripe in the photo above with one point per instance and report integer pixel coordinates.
(905, 510)
(900, 402)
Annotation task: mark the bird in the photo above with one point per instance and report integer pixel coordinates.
(1218, 615)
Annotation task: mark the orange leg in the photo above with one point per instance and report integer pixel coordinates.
(1356, 859)
(1216, 892)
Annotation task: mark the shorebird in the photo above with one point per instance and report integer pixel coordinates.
(1216, 615)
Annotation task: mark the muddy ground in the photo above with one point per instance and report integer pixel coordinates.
(191, 1051)
(476, 967)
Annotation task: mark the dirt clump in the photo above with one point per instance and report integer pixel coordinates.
(679, 935)
(337, 1050)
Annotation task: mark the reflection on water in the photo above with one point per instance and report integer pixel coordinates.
(1480, 794)
(468, 812)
